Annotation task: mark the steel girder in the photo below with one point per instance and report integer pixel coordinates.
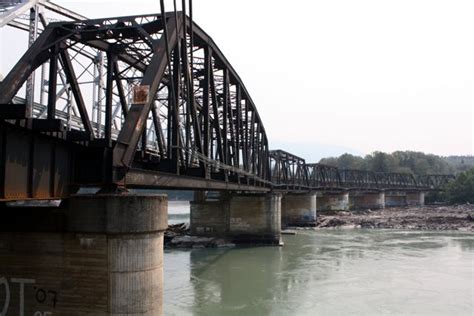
(288, 171)
(198, 127)
(204, 123)
(396, 180)
(323, 176)
(360, 179)
(33, 165)
(434, 181)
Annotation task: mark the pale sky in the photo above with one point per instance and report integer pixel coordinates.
(342, 75)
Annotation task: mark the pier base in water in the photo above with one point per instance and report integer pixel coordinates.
(96, 255)
(395, 199)
(415, 198)
(298, 210)
(360, 200)
(333, 201)
(242, 218)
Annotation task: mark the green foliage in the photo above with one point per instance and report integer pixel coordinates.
(345, 161)
(461, 163)
(435, 197)
(461, 190)
(381, 162)
(403, 162)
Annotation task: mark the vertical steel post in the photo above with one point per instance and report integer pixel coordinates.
(239, 124)
(108, 99)
(205, 101)
(225, 127)
(100, 90)
(53, 77)
(30, 83)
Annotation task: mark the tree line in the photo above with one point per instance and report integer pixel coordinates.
(459, 191)
(403, 162)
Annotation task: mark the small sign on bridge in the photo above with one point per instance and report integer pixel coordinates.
(141, 94)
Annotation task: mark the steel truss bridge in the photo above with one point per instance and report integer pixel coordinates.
(144, 102)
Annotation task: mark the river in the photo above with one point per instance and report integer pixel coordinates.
(325, 272)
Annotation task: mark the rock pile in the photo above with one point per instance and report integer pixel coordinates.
(459, 217)
(177, 236)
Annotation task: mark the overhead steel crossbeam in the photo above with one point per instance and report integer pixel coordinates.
(288, 171)
(204, 122)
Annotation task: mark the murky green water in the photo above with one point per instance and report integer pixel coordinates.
(351, 272)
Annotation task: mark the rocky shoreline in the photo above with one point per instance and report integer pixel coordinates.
(459, 217)
(442, 217)
(178, 236)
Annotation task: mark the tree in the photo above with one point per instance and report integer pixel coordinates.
(403, 162)
(381, 162)
(461, 190)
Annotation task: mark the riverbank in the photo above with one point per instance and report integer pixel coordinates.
(458, 217)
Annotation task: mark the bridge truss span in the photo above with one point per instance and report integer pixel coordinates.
(146, 101)
(196, 118)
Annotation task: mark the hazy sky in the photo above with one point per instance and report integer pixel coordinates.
(342, 75)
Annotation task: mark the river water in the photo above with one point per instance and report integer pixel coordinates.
(325, 272)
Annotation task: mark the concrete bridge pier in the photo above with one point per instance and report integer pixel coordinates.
(243, 218)
(97, 255)
(395, 199)
(360, 200)
(332, 201)
(298, 209)
(415, 198)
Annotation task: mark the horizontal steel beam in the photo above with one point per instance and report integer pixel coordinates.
(137, 178)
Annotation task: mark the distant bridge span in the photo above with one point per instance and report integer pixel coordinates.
(147, 102)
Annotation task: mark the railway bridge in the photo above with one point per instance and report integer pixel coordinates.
(141, 102)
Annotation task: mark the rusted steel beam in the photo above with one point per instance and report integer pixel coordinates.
(37, 54)
(127, 140)
(136, 178)
(33, 165)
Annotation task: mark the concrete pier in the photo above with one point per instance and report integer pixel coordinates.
(243, 218)
(360, 200)
(415, 198)
(395, 199)
(99, 255)
(333, 201)
(298, 210)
